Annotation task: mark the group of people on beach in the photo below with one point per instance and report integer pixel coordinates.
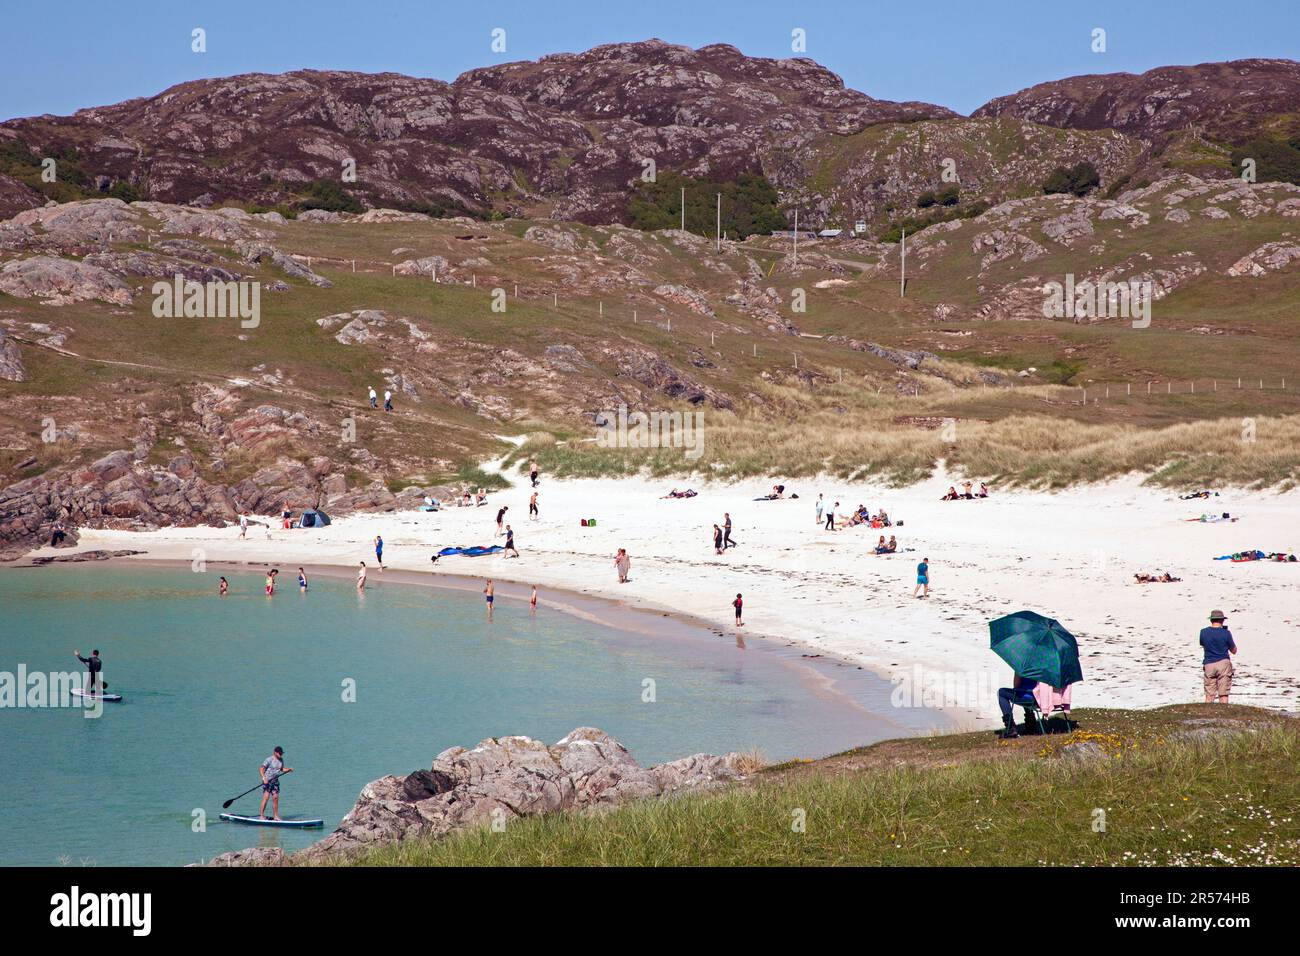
(967, 492)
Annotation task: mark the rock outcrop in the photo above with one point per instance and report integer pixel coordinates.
(504, 779)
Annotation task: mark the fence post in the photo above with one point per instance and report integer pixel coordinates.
(1085, 396)
(1193, 389)
(555, 300)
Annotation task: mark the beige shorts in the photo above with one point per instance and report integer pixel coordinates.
(1218, 678)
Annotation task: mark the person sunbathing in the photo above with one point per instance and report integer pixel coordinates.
(984, 491)
(881, 547)
(951, 495)
(892, 547)
(688, 493)
(966, 490)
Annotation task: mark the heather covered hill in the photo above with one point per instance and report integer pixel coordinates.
(1229, 101)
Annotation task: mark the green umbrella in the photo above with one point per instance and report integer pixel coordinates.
(1037, 647)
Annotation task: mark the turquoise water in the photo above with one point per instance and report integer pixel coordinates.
(211, 685)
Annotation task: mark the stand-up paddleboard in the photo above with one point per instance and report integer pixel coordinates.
(263, 822)
(108, 698)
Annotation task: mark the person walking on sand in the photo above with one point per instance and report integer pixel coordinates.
(95, 665)
(271, 771)
(532, 471)
(489, 596)
(726, 532)
(243, 525)
(922, 578)
(717, 540)
(1217, 664)
(501, 517)
(830, 518)
(374, 399)
(739, 605)
(361, 577)
(532, 507)
(379, 551)
(510, 543)
(821, 506)
(623, 563)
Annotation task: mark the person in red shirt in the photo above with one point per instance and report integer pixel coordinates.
(739, 605)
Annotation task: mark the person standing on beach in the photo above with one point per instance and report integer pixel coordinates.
(243, 525)
(922, 578)
(510, 542)
(361, 577)
(379, 551)
(532, 471)
(489, 596)
(532, 507)
(501, 517)
(739, 605)
(726, 532)
(95, 665)
(821, 506)
(285, 515)
(830, 518)
(271, 771)
(1217, 664)
(717, 540)
(623, 563)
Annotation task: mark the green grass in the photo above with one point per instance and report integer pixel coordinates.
(1166, 800)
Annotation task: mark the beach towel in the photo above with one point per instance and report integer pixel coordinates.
(471, 552)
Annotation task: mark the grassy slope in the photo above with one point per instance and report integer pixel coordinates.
(1189, 785)
(845, 411)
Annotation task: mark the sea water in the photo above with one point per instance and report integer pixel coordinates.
(353, 686)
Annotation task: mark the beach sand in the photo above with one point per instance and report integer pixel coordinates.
(1070, 555)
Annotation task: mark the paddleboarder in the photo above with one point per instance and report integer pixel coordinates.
(95, 665)
(271, 771)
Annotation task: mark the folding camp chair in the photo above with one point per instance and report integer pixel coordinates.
(1032, 710)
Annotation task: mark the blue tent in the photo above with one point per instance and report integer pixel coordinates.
(312, 518)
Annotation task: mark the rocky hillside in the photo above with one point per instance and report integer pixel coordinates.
(1229, 101)
(566, 137)
(567, 133)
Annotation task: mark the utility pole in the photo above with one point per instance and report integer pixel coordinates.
(719, 222)
(902, 255)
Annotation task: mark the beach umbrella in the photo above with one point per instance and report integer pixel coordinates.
(1037, 647)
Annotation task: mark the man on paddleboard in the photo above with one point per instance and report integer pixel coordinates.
(272, 770)
(95, 665)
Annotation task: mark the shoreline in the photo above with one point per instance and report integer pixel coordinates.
(1069, 555)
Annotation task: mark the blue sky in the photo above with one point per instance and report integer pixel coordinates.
(56, 58)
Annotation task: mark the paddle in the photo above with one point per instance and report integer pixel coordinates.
(226, 805)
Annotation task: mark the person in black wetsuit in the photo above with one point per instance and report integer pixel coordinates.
(95, 665)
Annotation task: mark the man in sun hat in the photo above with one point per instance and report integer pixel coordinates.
(1218, 644)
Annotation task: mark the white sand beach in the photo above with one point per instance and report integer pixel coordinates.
(1070, 555)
